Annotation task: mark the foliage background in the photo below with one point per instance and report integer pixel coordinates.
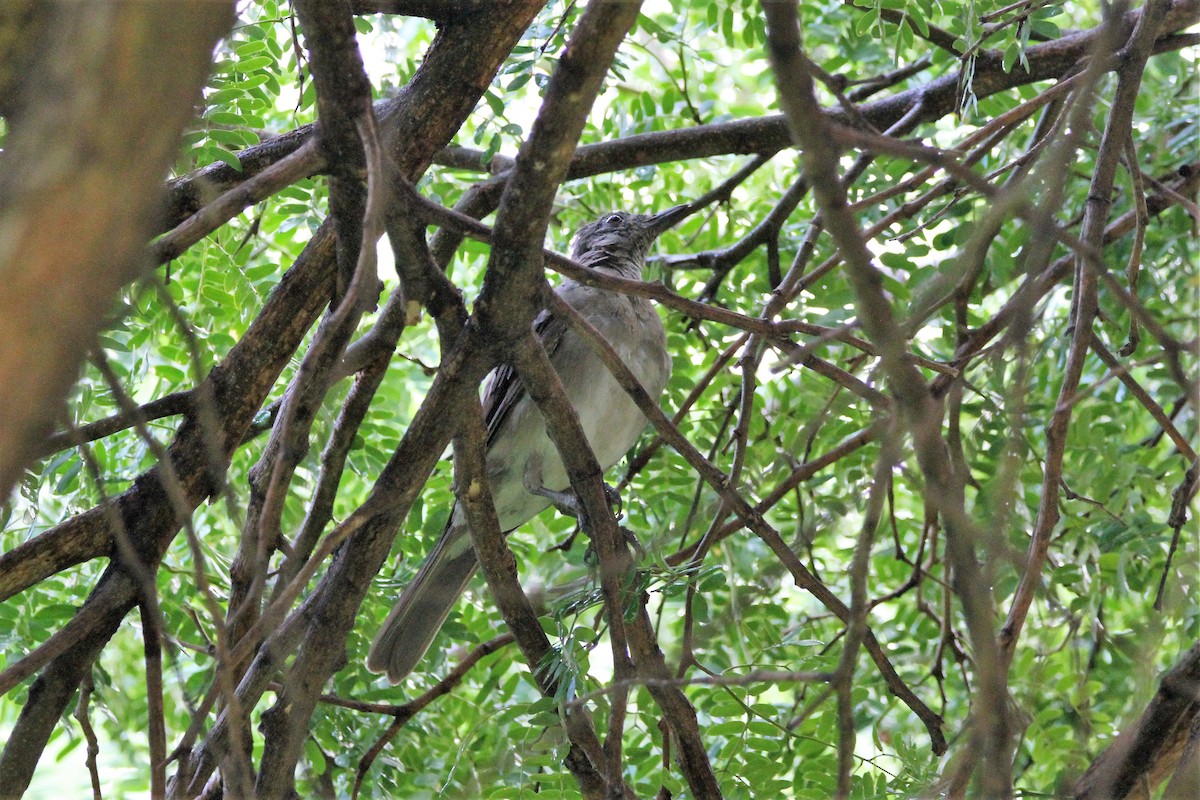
(1087, 662)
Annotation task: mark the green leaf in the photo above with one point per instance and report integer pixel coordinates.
(225, 95)
(69, 477)
(249, 48)
(519, 81)
(251, 64)
(221, 154)
(1046, 28)
(494, 102)
(226, 118)
(866, 22)
(170, 373)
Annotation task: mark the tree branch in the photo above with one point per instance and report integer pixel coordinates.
(68, 247)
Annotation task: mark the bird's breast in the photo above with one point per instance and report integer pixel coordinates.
(610, 419)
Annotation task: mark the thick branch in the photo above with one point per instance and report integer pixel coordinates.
(68, 247)
(1150, 748)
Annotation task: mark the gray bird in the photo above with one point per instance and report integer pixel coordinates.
(520, 455)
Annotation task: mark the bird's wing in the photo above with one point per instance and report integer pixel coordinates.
(504, 390)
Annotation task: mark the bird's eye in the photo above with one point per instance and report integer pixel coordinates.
(612, 219)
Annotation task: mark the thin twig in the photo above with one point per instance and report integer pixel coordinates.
(300, 163)
(89, 733)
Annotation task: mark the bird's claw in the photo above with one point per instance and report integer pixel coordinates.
(593, 560)
(568, 502)
(566, 543)
(633, 542)
(614, 500)
(565, 502)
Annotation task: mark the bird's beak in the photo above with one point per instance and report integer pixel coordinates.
(666, 219)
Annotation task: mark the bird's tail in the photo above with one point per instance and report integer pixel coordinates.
(422, 608)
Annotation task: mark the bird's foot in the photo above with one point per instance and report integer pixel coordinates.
(632, 541)
(592, 559)
(566, 543)
(564, 502)
(568, 502)
(614, 500)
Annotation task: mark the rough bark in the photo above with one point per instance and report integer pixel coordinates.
(100, 75)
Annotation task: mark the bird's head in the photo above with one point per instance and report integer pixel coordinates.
(620, 240)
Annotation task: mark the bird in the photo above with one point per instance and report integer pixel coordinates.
(523, 467)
